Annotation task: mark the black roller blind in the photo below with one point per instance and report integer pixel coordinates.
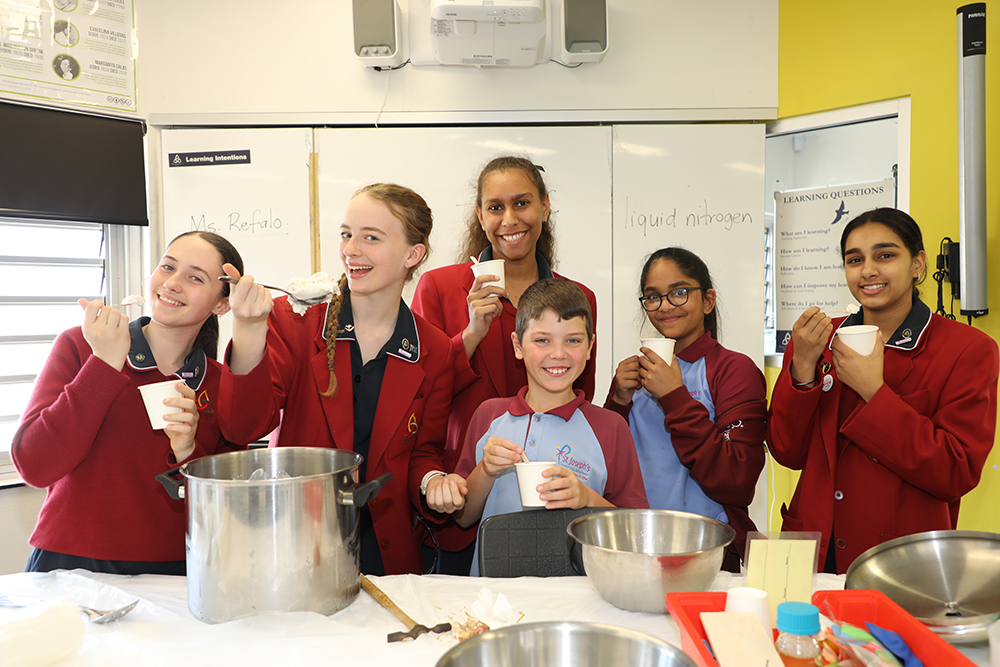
(61, 165)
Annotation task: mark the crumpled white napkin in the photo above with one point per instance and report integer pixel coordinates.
(493, 609)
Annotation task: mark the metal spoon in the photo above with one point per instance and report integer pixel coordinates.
(99, 616)
(310, 301)
(95, 615)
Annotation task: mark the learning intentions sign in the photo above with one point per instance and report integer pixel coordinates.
(809, 270)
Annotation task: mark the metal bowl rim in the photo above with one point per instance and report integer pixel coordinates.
(916, 537)
(603, 628)
(959, 632)
(183, 470)
(594, 517)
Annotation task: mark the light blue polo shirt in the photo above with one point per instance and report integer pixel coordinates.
(668, 481)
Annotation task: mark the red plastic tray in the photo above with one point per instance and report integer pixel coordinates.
(855, 607)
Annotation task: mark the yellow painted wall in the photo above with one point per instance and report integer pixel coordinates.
(839, 54)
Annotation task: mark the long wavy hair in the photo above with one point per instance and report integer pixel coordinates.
(208, 336)
(411, 210)
(474, 240)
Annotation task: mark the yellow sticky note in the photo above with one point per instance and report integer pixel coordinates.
(782, 568)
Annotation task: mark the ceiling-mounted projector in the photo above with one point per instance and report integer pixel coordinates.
(484, 33)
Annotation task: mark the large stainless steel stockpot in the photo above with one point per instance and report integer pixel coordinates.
(286, 540)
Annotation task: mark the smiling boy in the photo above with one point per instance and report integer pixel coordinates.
(594, 462)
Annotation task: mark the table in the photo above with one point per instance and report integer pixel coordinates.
(161, 630)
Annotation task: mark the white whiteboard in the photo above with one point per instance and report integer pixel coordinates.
(700, 187)
(618, 193)
(442, 165)
(261, 207)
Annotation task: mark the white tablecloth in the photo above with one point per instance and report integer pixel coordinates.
(161, 630)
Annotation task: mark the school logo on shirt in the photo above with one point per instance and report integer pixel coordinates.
(564, 457)
(204, 405)
(411, 426)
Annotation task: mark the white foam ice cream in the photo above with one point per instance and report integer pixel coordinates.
(852, 308)
(133, 300)
(320, 284)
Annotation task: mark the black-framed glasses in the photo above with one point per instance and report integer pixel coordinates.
(675, 297)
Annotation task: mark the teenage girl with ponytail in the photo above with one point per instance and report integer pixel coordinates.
(362, 373)
(85, 436)
(698, 422)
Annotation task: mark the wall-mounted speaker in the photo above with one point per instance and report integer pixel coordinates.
(972, 158)
(584, 37)
(377, 33)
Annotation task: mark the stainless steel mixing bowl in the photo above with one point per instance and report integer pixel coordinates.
(635, 557)
(564, 644)
(948, 579)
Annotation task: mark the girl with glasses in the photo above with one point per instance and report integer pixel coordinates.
(698, 422)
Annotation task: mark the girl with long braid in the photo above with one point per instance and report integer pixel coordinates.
(362, 373)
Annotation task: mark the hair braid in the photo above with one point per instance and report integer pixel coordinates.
(330, 333)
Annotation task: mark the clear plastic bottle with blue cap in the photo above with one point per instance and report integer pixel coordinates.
(798, 626)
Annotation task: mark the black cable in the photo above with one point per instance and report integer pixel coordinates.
(387, 69)
(939, 277)
(553, 60)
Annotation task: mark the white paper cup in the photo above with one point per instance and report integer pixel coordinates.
(750, 601)
(662, 346)
(529, 476)
(994, 634)
(153, 395)
(493, 267)
(860, 337)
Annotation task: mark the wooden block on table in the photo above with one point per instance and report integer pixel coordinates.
(739, 640)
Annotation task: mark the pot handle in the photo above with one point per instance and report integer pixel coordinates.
(362, 494)
(174, 487)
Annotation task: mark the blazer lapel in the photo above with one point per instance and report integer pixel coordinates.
(395, 406)
(493, 357)
(338, 409)
(896, 368)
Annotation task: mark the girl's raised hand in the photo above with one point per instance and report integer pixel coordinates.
(809, 335)
(106, 331)
(484, 305)
(627, 380)
(658, 377)
(183, 425)
(498, 455)
(861, 373)
(249, 302)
